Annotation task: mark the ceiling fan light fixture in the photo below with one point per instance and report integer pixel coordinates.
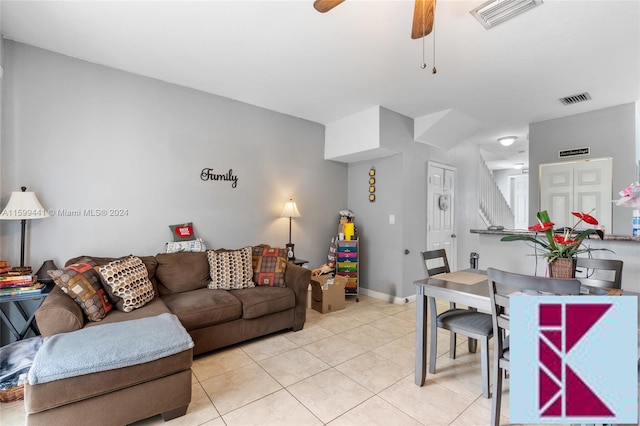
(507, 140)
(495, 12)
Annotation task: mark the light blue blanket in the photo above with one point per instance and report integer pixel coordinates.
(107, 347)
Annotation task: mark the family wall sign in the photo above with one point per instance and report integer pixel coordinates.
(208, 174)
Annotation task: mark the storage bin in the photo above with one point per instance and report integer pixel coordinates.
(348, 256)
(347, 266)
(349, 274)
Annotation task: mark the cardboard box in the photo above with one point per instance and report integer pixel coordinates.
(327, 293)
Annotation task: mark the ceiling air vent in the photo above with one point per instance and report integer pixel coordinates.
(495, 12)
(574, 99)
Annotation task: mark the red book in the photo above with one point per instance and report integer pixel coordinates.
(17, 282)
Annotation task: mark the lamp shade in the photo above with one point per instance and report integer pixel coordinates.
(290, 209)
(23, 205)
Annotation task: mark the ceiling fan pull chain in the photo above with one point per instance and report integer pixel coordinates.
(424, 62)
(433, 71)
(424, 13)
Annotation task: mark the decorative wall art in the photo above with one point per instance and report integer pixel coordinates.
(372, 184)
(208, 174)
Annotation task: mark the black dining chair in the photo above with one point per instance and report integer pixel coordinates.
(592, 272)
(477, 326)
(501, 284)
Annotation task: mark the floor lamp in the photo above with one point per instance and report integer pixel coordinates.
(23, 205)
(290, 210)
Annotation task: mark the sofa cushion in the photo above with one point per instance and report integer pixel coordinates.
(204, 307)
(82, 283)
(230, 269)
(153, 308)
(128, 280)
(62, 392)
(269, 266)
(261, 301)
(179, 272)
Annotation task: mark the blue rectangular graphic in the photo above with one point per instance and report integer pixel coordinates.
(573, 359)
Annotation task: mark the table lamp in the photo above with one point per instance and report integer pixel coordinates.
(23, 205)
(290, 210)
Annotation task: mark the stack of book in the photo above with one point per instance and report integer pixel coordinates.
(18, 281)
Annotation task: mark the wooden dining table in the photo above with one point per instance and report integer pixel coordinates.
(469, 287)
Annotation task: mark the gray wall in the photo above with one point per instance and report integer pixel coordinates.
(380, 242)
(609, 132)
(84, 136)
(401, 189)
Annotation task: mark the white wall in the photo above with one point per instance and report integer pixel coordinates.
(468, 161)
(609, 132)
(501, 177)
(83, 136)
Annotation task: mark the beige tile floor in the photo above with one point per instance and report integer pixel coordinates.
(350, 367)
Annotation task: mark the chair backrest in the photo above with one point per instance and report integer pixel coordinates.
(502, 283)
(598, 272)
(435, 262)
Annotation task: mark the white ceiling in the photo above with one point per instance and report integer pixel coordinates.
(285, 56)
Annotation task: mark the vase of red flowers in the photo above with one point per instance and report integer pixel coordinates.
(562, 267)
(560, 249)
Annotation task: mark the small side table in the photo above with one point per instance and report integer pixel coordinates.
(299, 262)
(17, 302)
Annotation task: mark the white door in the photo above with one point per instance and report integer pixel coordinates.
(519, 200)
(441, 210)
(577, 186)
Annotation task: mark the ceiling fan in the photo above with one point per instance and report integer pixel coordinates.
(423, 14)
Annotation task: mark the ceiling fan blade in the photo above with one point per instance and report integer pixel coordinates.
(423, 14)
(323, 6)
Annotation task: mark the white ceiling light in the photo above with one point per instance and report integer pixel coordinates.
(494, 12)
(518, 166)
(507, 140)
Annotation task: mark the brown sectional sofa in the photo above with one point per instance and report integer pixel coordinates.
(213, 319)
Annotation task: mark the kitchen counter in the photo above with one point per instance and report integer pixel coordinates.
(520, 256)
(607, 237)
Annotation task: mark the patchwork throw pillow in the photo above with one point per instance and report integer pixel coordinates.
(82, 283)
(230, 269)
(128, 279)
(182, 232)
(269, 265)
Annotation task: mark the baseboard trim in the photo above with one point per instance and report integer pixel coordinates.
(387, 297)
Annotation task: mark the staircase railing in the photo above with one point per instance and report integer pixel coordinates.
(493, 208)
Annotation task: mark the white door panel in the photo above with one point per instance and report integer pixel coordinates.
(576, 186)
(440, 219)
(520, 201)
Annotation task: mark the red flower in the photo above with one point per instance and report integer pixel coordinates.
(558, 238)
(542, 226)
(586, 217)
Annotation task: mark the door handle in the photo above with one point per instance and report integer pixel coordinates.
(453, 236)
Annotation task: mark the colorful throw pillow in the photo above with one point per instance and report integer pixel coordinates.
(128, 279)
(81, 282)
(182, 232)
(269, 265)
(230, 269)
